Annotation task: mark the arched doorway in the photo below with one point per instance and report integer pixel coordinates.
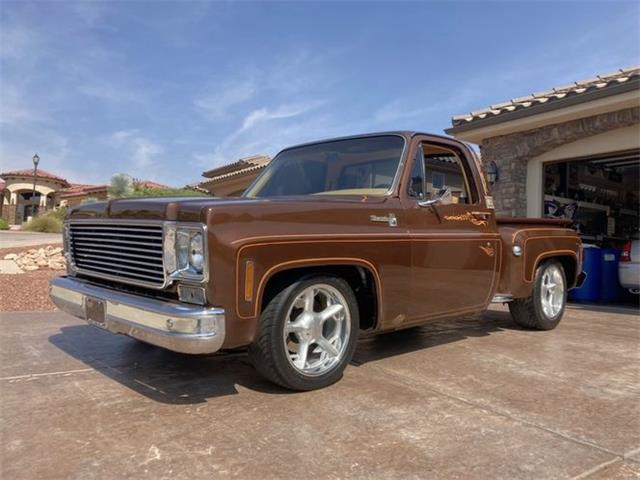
(26, 205)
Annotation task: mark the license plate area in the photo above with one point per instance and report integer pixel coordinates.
(94, 311)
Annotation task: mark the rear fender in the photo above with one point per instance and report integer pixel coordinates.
(537, 245)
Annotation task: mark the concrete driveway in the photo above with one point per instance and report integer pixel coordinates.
(13, 238)
(472, 398)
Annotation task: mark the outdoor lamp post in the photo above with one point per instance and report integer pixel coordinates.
(36, 160)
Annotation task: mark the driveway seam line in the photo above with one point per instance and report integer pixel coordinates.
(46, 374)
(412, 382)
(596, 469)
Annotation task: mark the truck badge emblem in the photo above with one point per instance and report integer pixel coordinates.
(390, 219)
(488, 249)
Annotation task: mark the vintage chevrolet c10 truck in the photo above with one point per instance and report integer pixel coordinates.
(335, 239)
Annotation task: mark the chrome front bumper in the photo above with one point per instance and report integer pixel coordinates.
(175, 326)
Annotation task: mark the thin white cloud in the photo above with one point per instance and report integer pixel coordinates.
(399, 109)
(15, 109)
(111, 93)
(140, 150)
(282, 111)
(267, 130)
(216, 104)
(16, 41)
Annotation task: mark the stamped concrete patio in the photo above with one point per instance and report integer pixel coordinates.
(472, 398)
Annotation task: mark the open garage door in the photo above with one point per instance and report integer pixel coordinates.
(601, 196)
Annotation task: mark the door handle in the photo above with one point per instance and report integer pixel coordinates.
(483, 215)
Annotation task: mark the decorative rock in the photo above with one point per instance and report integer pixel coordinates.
(46, 257)
(10, 256)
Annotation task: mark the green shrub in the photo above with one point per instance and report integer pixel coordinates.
(59, 213)
(168, 192)
(4, 225)
(49, 222)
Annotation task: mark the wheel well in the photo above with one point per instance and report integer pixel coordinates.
(360, 280)
(570, 266)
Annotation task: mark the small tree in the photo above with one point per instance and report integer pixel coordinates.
(121, 186)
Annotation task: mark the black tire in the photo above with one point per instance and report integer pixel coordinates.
(528, 312)
(268, 353)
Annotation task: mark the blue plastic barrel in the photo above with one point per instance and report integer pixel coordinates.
(610, 289)
(592, 266)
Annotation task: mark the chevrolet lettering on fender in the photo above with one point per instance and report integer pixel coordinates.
(335, 239)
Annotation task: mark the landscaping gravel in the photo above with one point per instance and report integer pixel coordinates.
(27, 291)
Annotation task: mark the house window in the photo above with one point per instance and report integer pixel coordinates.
(438, 180)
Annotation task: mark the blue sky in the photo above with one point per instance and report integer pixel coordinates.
(166, 90)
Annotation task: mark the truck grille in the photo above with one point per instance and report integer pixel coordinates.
(126, 252)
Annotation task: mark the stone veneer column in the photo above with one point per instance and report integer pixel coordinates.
(512, 152)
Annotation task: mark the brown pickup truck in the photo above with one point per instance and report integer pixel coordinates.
(335, 239)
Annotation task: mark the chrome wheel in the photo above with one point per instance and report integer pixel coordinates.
(317, 330)
(552, 291)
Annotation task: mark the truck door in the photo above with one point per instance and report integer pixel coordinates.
(454, 240)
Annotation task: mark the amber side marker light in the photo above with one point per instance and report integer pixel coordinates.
(249, 273)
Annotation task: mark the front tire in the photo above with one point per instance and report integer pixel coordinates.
(307, 334)
(543, 310)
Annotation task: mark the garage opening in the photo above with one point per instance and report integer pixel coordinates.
(601, 195)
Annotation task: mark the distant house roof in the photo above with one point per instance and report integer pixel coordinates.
(81, 189)
(28, 172)
(620, 81)
(149, 184)
(244, 166)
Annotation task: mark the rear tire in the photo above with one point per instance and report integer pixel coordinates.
(307, 334)
(543, 310)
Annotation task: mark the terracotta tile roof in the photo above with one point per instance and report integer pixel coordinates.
(557, 94)
(149, 184)
(78, 189)
(28, 172)
(244, 165)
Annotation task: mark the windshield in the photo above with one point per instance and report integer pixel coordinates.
(358, 166)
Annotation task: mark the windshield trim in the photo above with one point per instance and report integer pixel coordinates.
(388, 193)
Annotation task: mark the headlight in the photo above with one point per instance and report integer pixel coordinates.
(184, 251)
(196, 252)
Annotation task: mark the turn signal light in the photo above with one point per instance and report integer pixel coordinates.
(249, 273)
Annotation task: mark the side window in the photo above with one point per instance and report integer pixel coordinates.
(445, 177)
(416, 182)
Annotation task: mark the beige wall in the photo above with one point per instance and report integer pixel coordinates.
(43, 186)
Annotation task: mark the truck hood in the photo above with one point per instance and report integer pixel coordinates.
(193, 209)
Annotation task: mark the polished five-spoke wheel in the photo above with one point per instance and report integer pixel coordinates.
(542, 309)
(317, 329)
(552, 291)
(307, 333)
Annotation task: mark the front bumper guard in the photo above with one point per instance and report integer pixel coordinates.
(175, 326)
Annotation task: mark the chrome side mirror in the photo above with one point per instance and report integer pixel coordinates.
(444, 195)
